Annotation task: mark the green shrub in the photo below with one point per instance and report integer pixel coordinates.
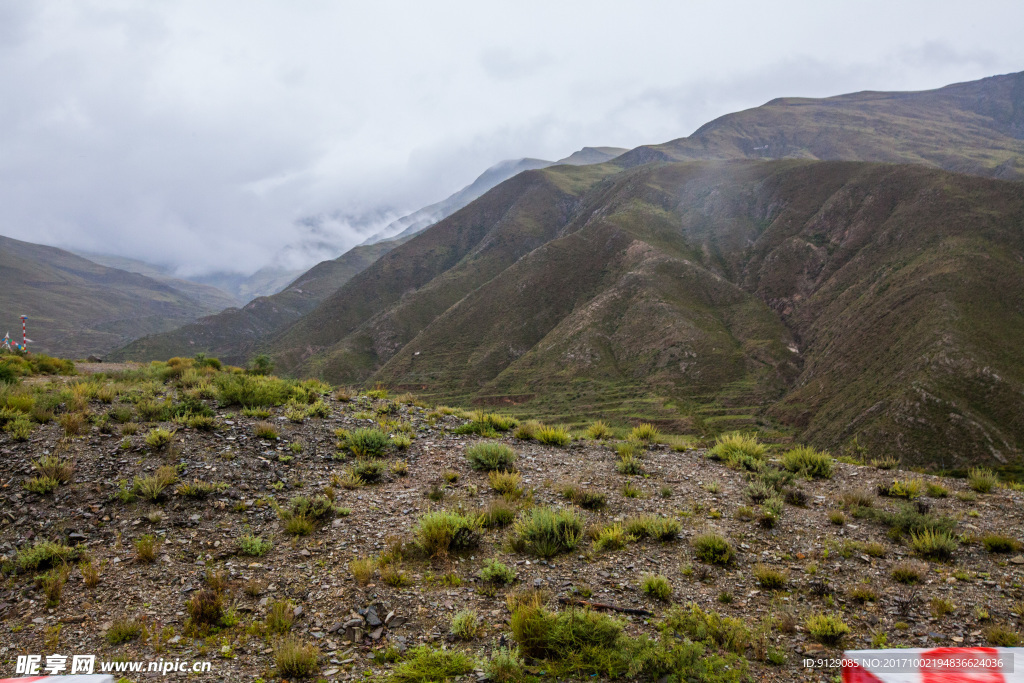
(936, 490)
(999, 635)
(295, 658)
(629, 465)
(466, 624)
(145, 548)
(738, 450)
(599, 430)
(982, 480)
(20, 429)
(769, 578)
(123, 631)
(44, 555)
(1000, 543)
(254, 546)
(713, 548)
(153, 487)
(498, 514)
(661, 529)
(527, 431)
(907, 519)
(910, 572)
(828, 629)
(645, 432)
(710, 627)
(490, 456)
(808, 462)
(505, 666)
(280, 616)
(368, 442)
(370, 471)
(547, 532)
(505, 483)
(657, 586)
(612, 537)
(441, 532)
(425, 665)
(251, 391)
(41, 485)
(497, 573)
(553, 436)
(585, 498)
(201, 489)
(934, 545)
(909, 489)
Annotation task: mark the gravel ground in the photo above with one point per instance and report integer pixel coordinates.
(312, 572)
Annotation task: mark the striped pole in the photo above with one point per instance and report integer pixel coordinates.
(24, 336)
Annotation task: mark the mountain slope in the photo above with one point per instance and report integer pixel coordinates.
(231, 334)
(77, 307)
(975, 127)
(726, 291)
(500, 172)
(213, 298)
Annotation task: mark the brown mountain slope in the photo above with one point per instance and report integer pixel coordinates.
(975, 127)
(231, 334)
(845, 299)
(77, 307)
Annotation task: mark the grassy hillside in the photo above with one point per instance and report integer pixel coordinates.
(846, 300)
(232, 333)
(975, 127)
(77, 307)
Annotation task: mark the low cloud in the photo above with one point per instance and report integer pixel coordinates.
(232, 136)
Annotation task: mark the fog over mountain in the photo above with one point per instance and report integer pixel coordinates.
(230, 137)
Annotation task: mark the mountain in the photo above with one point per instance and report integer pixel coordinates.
(212, 297)
(500, 172)
(846, 300)
(232, 334)
(975, 127)
(77, 307)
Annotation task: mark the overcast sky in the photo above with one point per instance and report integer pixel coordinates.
(198, 134)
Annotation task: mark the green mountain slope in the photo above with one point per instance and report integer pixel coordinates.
(231, 334)
(77, 307)
(975, 127)
(843, 299)
(211, 297)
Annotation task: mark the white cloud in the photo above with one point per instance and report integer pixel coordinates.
(200, 134)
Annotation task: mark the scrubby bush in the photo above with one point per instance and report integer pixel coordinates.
(490, 456)
(828, 629)
(661, 529)
(154, 486)
(368, 442)
(713, 548)
(808, 462)
(553, 436)
(44, 555)
(497, 514)
(585, 498)
(424, 664)
(1000, 543)
(547, 532)
(769, 578)
(738, 450)
(910, 572)
(506, 483)
(295, 658)
(934, 545)
(709, 627)
(466, 624)
(599, 430)
(441, 532)
(254, 546)
(982, 480)
(645, 432)
(612, 537)
(657, 586)
(497, 573)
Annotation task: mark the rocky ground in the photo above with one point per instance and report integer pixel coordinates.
(354, 625)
